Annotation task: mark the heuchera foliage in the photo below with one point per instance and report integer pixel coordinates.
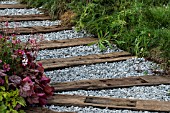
(19, 70)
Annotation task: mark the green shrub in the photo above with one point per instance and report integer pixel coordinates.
(134, 25)
(158, 17)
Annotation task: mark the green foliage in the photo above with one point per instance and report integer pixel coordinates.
(158, 17)
(164, 43)
(136, 26)
(9, 100)
(53, 7)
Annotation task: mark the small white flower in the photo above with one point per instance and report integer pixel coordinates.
(24, 62)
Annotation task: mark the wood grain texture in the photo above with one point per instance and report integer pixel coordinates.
(49, 64)
(98, 84)
(110, 103)
(34, 29)
(11, 6)
(56, 44)
(17, 18)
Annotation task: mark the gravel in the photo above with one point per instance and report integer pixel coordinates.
(31, 23)
(147, 93)
(91, 110)
(9, 2)
(131, 67)
(19, 12)
(73, 51)
(61, 35)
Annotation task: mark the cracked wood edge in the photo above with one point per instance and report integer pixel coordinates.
(97, 84)
(84, 60)
(32, 17)
(34, 29)
(110, 103)
(55, 44)
(11, 6)
(41, 110)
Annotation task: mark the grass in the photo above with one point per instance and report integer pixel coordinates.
(138, 26)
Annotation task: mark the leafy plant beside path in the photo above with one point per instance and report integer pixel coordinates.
(22, 80)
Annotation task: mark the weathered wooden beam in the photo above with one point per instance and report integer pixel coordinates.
(110, 103)
(97, 84)
(34, 29)
(49, 64)
(56, 44)
(41, 110)
(11, 6)
(16, 18)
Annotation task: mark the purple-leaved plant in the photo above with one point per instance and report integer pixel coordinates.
(20, 71)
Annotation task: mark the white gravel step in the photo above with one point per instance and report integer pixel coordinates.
(160, 92)
(131, 67)
(19, 11)
(61, 35)
(9, 2)
(73, 51)
(30, 23)
(91, 110)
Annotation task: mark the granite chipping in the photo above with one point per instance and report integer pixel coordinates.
(73, 51)
(61, 35)
(19, 11)
(91, 110)
(30, 23)
(9, 2)
(160, 93)
(131, 67)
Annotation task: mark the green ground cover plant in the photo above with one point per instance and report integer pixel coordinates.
(140, 27)
(22, 79)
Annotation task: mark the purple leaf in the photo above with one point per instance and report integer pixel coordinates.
(15, 79)
(1, 81)
(44, 80)
(42, 101)
(26, 87)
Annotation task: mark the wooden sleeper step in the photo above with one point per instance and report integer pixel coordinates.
(56, 44)
(34, 29)
(98, 84)
(59, 63)
(17, 18)
(110, 103)
(11, 6)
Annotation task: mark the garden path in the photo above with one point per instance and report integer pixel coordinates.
(112, 81)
